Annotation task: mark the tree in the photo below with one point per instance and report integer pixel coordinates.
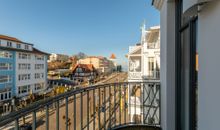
(81, 55)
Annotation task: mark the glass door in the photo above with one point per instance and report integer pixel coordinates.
(186, 70)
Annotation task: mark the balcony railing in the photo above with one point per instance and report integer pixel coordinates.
(105, 106)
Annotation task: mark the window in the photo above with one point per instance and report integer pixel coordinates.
(186, 71)
(23, 89)
(18, 46)
(6, 95)
(5, 54)
(9, 95)
(39, 75)
(26, 47)
(24, 77)
(39, 57)
(24, 56)
(5, 78)
(151, 67)
(9, 44)
(24, 66)
(2, 96)
(39, 66)
(5, 66)
(39, 86)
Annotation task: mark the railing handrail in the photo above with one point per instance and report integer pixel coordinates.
(46, 102)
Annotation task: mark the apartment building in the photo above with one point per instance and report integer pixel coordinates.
(144, 65)
(189, 66)
(23, 70)
(101, 64)
(58, 57)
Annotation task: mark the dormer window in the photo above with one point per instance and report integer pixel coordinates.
(18, 46)
(26, 47)
(9, 44)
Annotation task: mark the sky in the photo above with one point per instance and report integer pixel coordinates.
(95, 27)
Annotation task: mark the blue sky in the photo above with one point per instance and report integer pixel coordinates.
(95, 27)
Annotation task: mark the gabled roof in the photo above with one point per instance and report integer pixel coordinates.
(113, 56)
(87, 67)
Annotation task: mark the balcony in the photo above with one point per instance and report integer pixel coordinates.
(116, 106)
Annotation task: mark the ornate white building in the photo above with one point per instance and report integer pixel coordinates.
(144, 65)
(144, 58)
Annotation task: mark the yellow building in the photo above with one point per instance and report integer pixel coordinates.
(102, 64)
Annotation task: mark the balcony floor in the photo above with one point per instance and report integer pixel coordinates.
(136, 127)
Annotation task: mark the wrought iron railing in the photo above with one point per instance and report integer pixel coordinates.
(104, 106)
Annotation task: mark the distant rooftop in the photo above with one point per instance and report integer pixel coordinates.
(9, 38)
(113, 56)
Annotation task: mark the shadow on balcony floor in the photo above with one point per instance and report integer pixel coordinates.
(136, 127)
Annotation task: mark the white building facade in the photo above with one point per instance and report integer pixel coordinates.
(144, 65)
(58, 57)
(23, 70)
(144, 58)
(190, 66)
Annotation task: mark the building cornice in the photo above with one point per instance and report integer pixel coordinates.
(191, 7)
(157, 4)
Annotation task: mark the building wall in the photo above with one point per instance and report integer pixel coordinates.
(3, 43)
(167, 61)
(32, 71)
(94, 61)
(101, 64)
(58, 57)
(9, 73)
(208, 82)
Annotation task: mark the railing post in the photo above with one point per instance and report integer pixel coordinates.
(88, 110)
(67, 118)
(17, 124)
(125, 104)
(74, 116)
(104, 106)
(34, 120)
(57, 115)
(129, 96)
(99, 109)
(47, 117)
(110, 106)
(135, 105)
(81, 114)
(159, 105)
(119, 85)
(94, 105)
(115, 106)
(143, 100)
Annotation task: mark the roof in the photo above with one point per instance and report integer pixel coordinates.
(9, 38)
(87, 67)
(113, 56)
(98, 57)
(35, 50)
(4, 37)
